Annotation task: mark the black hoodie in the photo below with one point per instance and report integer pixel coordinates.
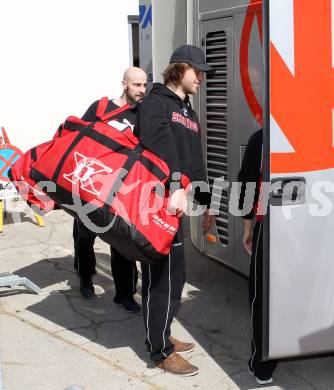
(169, 127)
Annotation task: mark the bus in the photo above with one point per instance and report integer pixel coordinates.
(274, 69)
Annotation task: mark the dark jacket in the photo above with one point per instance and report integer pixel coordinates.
(169, 127)
(250, 171)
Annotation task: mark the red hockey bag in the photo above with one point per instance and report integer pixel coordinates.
(19, 173)
(29, 190)
(105, 178)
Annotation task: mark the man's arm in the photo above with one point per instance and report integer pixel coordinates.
(247, 235)
(250, 172)
(155, 134)
(90, 114)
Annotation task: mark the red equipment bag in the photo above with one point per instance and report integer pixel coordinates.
(28, 189)
(106, 179)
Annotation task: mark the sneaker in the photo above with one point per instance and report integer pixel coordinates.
(180, 346)
(177, 365)
(261, 381)
(128, 303)
(86, 286)
(264, 381)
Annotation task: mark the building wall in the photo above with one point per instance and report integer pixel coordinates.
(167, 34)
(57, 57)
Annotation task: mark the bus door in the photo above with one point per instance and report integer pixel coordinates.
(299, 144)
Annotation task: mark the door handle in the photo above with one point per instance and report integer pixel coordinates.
(287, 191)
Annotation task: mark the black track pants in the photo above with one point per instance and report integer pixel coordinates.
(124, 272)
(262, 370)
(162, 286)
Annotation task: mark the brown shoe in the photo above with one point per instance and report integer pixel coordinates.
(180, 346)
(175, 364)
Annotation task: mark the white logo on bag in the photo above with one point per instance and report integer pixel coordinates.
(121, 126)
(85, 169)
(163, 225)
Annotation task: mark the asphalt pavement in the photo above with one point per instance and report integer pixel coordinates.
(58, 338)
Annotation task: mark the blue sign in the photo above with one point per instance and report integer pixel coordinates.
(145, 16)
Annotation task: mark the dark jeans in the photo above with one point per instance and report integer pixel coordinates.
(124, 271)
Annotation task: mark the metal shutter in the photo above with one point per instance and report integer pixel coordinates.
(216, 120)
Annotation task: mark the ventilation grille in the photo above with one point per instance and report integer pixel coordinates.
(216, 120)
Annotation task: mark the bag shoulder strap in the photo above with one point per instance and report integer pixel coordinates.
(109, 115)
(102, 106)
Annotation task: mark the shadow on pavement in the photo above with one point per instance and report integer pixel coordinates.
(215, 312)
(98, 319)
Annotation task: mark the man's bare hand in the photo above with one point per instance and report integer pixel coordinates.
(248, 235)
(207, 220)
(178, 202)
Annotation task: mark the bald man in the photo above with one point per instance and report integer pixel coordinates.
(124, 271)
(134, 87)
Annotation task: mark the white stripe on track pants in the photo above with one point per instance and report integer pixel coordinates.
(162, 286)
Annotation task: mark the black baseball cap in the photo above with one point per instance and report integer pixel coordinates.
(192, 55)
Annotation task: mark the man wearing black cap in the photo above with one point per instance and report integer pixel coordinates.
(168, 126)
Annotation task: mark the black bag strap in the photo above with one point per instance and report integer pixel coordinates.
(134, 156)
